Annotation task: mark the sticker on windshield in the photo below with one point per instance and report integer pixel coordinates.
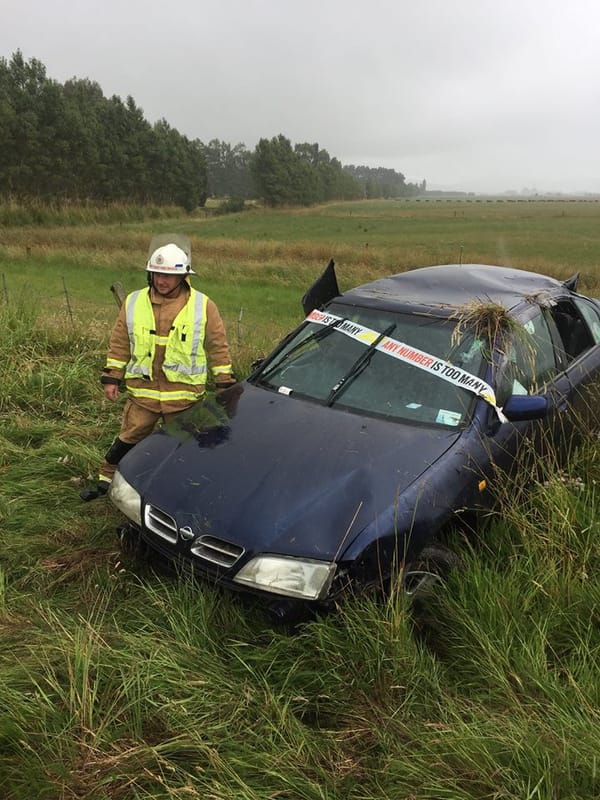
(411, 355)
(448, 417)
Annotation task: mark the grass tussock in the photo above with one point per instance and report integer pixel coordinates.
(119, 681)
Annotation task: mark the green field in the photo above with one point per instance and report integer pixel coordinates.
(120, 682)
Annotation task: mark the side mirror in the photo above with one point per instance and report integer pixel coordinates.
(523, 407)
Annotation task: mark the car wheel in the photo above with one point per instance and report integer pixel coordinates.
(428, 570)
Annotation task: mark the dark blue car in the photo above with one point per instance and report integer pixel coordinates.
(349, 453)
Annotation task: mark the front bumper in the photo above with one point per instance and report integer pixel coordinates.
(280, 610)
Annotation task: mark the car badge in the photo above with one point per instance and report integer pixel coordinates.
(186, 533)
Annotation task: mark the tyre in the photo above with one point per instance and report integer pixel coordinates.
(428, 570)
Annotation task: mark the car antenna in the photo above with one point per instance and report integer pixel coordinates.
(460, 256)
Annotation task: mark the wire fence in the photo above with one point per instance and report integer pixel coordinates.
(116, 289)
(119, 295)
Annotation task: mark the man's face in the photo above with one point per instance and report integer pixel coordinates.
(165, 284)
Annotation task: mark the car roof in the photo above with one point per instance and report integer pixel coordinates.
(452, 286)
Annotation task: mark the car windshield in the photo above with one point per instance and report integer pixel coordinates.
(379, 363)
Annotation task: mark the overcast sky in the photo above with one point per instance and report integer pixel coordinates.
(477, 95)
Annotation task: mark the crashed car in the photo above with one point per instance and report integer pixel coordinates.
(351, 451)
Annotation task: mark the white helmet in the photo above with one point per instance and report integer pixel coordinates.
(170, 260)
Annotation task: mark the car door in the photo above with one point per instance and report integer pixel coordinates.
(576, 320)
(531, 365)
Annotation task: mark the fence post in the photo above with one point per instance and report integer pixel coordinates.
(239, 327)
(68, 301)
(118, 293)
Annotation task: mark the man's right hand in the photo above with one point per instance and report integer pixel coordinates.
(111, 391)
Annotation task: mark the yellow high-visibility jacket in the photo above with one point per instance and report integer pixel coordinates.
(163, 348)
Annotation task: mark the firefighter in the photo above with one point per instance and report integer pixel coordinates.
(165, 340)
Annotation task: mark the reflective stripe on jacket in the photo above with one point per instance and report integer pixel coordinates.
(185, 358)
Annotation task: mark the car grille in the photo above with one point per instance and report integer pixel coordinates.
(217, 551)
(161, 524)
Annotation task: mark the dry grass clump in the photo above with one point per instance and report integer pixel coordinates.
(489, 321)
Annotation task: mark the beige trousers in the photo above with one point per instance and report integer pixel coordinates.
(137, 423)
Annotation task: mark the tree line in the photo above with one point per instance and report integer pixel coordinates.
(384, 182)
(70, 142)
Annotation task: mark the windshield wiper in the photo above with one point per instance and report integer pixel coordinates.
(314, 337)
(356, 368)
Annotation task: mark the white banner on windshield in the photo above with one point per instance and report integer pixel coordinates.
(411, 355)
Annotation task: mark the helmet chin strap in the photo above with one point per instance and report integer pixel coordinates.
(168, 294)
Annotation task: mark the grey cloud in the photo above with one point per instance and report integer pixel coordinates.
(470, 94)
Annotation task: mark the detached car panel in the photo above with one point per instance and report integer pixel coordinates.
(366, 431)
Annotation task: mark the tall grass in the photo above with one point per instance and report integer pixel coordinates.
(18, 213)
(120, 681)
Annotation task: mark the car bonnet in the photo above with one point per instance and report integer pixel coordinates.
(282, 475)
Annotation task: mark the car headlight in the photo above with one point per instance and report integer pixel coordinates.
(126, 498)
(288, 576)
